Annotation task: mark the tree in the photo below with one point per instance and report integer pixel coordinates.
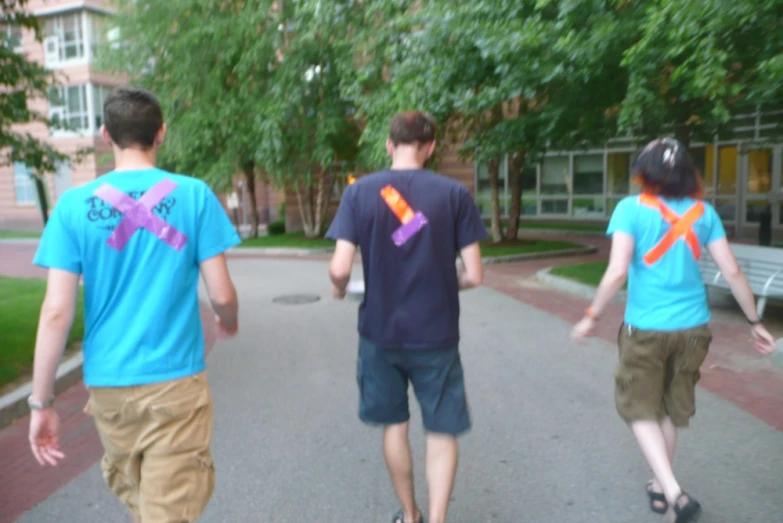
(260, 96)
(209, 64)
(22, 81)
(696, 64)
(318, 133)
(506, 79)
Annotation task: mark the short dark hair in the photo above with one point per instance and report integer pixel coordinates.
(665, 167)
(133, 117)
(413, 127)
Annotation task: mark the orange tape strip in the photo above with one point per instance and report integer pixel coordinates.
(680, 227)
(397, 204)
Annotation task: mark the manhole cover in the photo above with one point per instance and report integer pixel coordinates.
(296, 299)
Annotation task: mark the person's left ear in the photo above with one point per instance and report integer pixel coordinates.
(161, 136)
(106, 136)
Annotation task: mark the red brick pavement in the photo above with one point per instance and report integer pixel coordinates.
(23, 483)
(733, 371)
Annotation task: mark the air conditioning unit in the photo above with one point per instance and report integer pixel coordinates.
(51, 50)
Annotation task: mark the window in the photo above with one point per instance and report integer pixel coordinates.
(99, 31)
(23, 183)
(99, 94)
(63, 38)
(704, 160)
(727, 170)
(554, 175)
(618, 173)
(11, 35)
(528, 203)
(68, 108)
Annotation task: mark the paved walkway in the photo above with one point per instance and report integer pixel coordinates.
(547, 445)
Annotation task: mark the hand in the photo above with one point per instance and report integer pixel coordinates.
(764, 341)
(44, 435)
(583, 330)
(338, 293)
(223, 332)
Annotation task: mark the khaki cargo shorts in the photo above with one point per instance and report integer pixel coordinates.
(156, 440)
(657, 373)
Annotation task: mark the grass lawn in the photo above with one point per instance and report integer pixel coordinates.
(295, 240)
(589, 273)
(20, 304)
(490, 250)
(575, 226)
(15, 235)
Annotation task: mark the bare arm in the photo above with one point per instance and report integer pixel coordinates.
(472, 273)
(732, 273)
(57, 313)
(616, 272)
(221, 291)
(341, 265)
(740, 288)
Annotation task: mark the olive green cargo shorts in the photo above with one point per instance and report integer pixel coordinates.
(657, 373)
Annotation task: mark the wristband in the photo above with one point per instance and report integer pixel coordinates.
(754, 323)
(589, 313)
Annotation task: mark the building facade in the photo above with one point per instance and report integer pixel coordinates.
(742, 173)
(72, 30)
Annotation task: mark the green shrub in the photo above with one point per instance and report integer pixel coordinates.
(276, 228)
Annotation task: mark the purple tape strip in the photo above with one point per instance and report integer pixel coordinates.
(407, 231)
(139, 213)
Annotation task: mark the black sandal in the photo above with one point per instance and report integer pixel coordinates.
(399, 517)
(656, 498)
(687, 513)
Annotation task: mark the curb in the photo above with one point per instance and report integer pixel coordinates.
(14, 404)
(572, 287)
(562, 232)
(279, 251)
(19, 241)
(564, 253)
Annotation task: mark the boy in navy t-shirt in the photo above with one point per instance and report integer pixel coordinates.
(410, 224)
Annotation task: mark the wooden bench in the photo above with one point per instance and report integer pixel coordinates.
(763, 266)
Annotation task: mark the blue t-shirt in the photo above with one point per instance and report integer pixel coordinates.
(141, 312)
(411, 298)
(669, 294)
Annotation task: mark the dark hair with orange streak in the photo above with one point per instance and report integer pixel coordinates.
(665, 168)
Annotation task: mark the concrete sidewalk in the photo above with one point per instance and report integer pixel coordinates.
(546, 446)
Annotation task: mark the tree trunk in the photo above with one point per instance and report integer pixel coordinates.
(249, 169)
(304, 199)
(40, 188)
(496, 229)
(682, 133)
(314, 204)
(516, 169)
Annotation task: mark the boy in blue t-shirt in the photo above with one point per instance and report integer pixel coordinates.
(139, 237)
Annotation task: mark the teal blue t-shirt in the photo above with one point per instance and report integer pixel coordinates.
(669, 294)
(141, 312)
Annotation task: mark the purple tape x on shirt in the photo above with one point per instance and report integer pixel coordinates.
(407, 230)
(139, 213)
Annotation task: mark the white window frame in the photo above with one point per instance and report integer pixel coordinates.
(54, 44)
(64, 115)
(96, 96)
(23, 182)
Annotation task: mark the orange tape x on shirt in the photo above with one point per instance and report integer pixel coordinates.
(397, 204)
(681, 227)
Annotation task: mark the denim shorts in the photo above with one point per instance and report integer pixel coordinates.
(438, 382)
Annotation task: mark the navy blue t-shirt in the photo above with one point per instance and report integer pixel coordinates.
(411, 298)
